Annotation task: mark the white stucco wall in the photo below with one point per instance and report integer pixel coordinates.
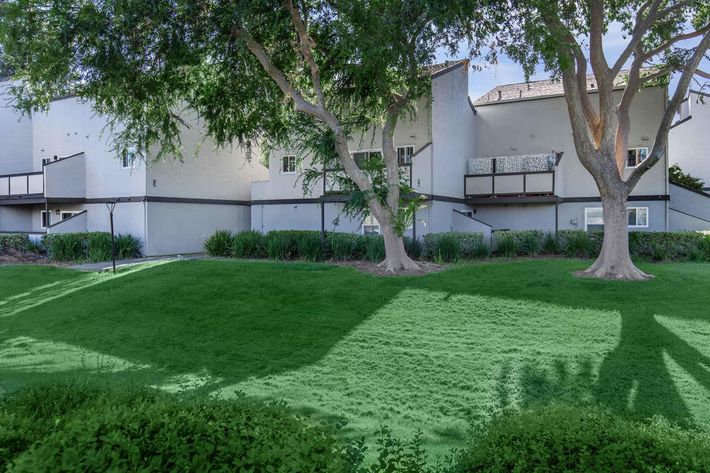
(542, 126)
(16, 218)
(69, 127)
(16, 133)
(689, 142)
(452, 132)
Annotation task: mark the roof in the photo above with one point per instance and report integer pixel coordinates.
(447, 66)
(535, 89)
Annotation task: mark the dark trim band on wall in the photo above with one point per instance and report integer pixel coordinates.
(631, 198)
(148, 198)
(679, 122)
(684, 187)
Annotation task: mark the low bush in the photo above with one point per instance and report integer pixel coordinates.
(15, 241)
(659, 246)
(506, 244)
(550, 244)
(90, 246)
(100, 248)
(310, 246)
(448, 249)
(580, 244)
(249, 244)
(374, 248)
(573, 439)
(469, 244)
(219, 243)
(342, 246)
(141, 431)
(413, 247)
(128, 246)
(280, 245)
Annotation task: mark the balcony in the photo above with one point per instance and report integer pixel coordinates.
(63, 179)
(510, 179)
(22, 187)
(333, 177)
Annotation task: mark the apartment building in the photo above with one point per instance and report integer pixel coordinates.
(688, 137)
(58, 171)
(505, 161)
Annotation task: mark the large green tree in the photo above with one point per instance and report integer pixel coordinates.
(295, 73)
(662, 38)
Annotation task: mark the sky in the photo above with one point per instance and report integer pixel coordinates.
(508, 72)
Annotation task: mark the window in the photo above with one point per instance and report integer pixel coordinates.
(66, 215)
(363, 157)
(370, 226)
(46, 219)
(288, 165)
(635, 156)
(46, 161)
(594, 218)
(128, 157)
(404, 154)
(637, 217)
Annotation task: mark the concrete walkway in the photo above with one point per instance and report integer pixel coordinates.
(108, 265)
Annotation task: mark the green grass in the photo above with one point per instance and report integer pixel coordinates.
(435, 352)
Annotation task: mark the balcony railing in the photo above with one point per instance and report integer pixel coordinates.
(512, 176)
(332, 186)
(22, 185)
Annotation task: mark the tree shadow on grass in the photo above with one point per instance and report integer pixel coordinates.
(633, 378)
(231, 320)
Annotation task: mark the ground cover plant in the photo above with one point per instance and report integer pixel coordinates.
(435, 353)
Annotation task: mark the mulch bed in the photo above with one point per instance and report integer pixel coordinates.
(373, 268)
(11, 256)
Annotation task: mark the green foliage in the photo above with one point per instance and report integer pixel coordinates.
(90, 246)
(342, 246)
(580, 244)
(675, 246)
(448, 249)
(550, 244)
(280, 244)
(248, 244)
(310, 246)
(219, 243)
(413, 247)
(15, 241)
(506, 244)
(574, 439)
(144, 431)
(374, 247)
(676, 175)
(469, 244)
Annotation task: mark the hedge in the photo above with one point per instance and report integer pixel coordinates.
(15, 241)
(451, 247)
(90, 246)
(577, 439)
(149, 432)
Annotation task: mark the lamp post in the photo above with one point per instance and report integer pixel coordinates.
(111, 205)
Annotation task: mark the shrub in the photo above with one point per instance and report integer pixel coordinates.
(507, 245)
(249, 244)
(89, 246)
(219, 243)
(279, 245)
(578, 243)
(572, 439)
(342, 245)
(659, 246)
(550, 244)
(480, 250)
(374, 246)
(413, 247)
(310, 245)
(128, 246)
(704, 247)
(155, 433)
(449, 249)
(531, 242)
(468, 242)
(15, 241)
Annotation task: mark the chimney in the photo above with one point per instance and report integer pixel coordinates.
(500, 95)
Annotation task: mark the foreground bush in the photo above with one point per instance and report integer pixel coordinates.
(144, 431)
(249, 244)
(219, 243)
(570, 439)
(452, 246)
(15, 241)
(90, 246)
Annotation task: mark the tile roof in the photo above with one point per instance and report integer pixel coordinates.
(534, 89)
(443, 67)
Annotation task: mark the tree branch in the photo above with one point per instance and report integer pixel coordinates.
(641, 26)
(304, 43)
(702, 74)
(662, 136)
(664, 46)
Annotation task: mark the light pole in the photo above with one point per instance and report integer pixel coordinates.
(111, 205)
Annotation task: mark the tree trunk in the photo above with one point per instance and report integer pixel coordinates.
(614, 261)
(396, 258)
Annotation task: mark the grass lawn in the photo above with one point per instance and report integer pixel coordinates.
(435, 352)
